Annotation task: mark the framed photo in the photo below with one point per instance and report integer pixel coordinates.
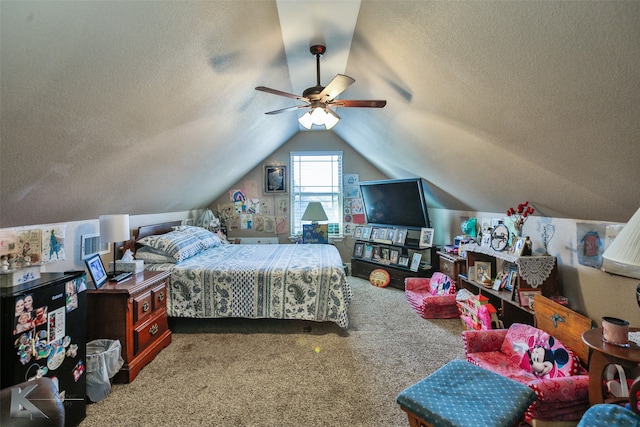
(391, 234)
(403, 261)
(400, 236)
(525, 297)
(483, 271)
(384, 255)
(376, 253)
(357, 233)
(498, 282)
(275, 179)
(358, 250)
(426, 238)
(366, 232)
(518, 246)
(96, 270)
(415, 261)
(368, 251)
(394, 256)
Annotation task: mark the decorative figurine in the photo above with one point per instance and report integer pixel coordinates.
(4, 263)
(547, 234)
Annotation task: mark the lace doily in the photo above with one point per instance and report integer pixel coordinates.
(533, 269)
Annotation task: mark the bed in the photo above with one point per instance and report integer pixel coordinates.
(305, 282)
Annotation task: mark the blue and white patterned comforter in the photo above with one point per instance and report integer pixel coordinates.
(304, 282)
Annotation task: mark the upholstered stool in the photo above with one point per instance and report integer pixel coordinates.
(461, 394)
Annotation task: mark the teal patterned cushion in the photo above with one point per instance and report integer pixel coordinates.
(206, 237)
(175, 244)
(462, 394)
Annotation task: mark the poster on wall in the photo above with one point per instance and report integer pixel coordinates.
(53, 244)
(30, 245)
(269, 224)
(590, 244)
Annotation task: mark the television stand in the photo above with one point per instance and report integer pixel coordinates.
(363, 268)
(395, 255)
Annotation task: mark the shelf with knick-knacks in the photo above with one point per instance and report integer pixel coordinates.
(16, 270)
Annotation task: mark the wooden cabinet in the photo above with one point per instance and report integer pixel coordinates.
(451, 265)
(533, 272)
(134, 312)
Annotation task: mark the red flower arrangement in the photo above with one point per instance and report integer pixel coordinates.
(520, 214)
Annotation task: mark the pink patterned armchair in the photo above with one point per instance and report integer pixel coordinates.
(432, 298)
(535, 358)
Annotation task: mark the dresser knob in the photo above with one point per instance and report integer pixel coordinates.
(145, 306)
(161, 296)
(154, 329)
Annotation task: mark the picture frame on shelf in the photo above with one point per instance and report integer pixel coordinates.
(376, 253)
(357, 232)
(518, 246)
(358, 250)
(394, 256)
(366, 232)
(96, 270)
(391, 234)
(483, 272)
(403, 261)
(384, 254)
(497, 283)
(525, 297)
(368, 251)
(400, 236)
(415, 261)
(426, 238)
(275, 179)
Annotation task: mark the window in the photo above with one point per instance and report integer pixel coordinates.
(316, 176)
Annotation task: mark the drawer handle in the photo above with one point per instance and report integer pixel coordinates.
(161, 296)
(145, 306)
(154, 329)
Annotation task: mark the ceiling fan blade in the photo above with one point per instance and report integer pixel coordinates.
(358, 104)
(335, 87)
(281, 93)
(297, 107)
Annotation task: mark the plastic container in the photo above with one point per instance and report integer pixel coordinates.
(104, 360)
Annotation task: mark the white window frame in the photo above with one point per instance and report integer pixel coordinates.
(299, 198)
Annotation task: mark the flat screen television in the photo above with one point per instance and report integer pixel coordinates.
(396, 202)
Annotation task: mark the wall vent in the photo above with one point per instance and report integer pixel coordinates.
(91, 244)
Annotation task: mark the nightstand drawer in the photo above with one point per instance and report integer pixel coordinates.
(159, 296)
(142, 307)
(146, 333)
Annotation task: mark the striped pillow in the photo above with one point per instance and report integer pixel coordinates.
(176, 244)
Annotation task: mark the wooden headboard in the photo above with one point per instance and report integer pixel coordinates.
(564, 324)
(148, 230)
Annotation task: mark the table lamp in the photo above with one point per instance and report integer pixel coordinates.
(314, 213)
(622, 257)
(114, 229)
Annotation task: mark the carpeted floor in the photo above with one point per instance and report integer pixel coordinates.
(241, 372)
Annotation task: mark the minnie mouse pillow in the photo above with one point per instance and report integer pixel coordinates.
(538, 352)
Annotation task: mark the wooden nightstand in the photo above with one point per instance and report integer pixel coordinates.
(133, 311)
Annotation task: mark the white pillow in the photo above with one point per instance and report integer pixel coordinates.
(208, 239)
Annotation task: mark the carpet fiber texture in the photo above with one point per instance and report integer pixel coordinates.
(243, 372)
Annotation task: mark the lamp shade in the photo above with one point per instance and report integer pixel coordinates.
(314, 212)
(622, 257)
(114, 228)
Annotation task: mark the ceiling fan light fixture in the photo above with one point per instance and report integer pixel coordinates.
(320, 117)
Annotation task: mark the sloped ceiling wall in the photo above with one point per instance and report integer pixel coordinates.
(150, 107)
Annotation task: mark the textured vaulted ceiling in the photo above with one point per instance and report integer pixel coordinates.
(149, 106)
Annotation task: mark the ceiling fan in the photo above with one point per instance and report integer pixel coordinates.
(320, 99)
